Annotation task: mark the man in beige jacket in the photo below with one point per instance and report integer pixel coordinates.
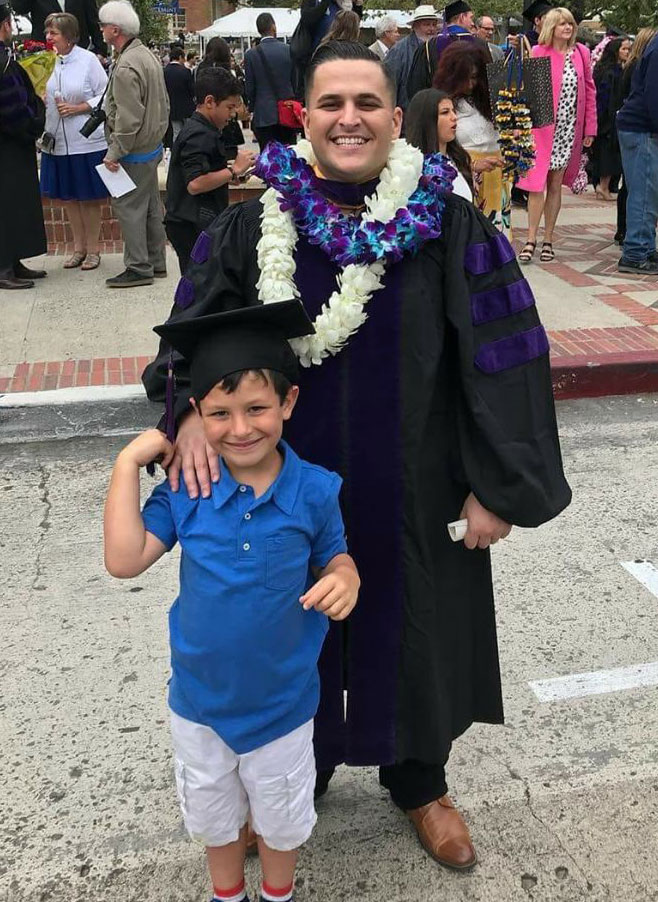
(137, 109)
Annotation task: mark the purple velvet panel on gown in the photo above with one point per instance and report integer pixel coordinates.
(343, 421)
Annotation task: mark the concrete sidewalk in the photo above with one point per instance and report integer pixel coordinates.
(73, 331)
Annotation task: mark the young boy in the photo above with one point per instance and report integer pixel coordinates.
(248, 625)
(199, 173)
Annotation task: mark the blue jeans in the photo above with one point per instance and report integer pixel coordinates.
(639, 154)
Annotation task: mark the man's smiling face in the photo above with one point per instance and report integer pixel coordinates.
(350, 119)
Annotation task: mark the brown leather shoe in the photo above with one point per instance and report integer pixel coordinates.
(443, 834)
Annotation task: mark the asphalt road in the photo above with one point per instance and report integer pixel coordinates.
(562, 800)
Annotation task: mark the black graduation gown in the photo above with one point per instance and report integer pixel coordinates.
(22, 232)
(444, 389)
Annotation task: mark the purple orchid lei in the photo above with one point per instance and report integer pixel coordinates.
(345, 239)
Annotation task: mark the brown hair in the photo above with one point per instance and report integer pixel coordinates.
(345, 27)
(66, 24)
(453, 75)
(642, 40)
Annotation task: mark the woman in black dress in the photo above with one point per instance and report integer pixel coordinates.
(606, 156)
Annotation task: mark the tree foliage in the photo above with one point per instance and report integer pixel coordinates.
(154, 24)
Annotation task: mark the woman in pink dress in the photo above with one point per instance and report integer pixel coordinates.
(559, 146)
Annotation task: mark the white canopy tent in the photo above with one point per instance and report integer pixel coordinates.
(242, 23)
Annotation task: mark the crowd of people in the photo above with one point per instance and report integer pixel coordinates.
(257, 697)
(592, 95)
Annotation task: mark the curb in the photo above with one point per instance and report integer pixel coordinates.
(629, 373)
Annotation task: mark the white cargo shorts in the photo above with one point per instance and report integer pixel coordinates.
(219, 790)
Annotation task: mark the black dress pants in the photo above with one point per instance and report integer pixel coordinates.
(182, 237)
(266, 133)
(410, 783)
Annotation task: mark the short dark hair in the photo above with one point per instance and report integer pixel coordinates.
(176, 53)
(216, 82)
(346, 50)
(264, 23)
(280, 383)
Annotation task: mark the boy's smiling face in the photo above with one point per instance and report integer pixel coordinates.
(245, 426)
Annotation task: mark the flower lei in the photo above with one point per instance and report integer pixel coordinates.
(517, 145)
(403, 213)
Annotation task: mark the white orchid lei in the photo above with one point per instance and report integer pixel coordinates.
(403, 213)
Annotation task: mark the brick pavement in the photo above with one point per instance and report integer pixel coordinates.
(585, 361)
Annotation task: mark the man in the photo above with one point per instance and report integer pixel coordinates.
(85, 11)
(637, 127)
(22, 233)
(459, 421)
(315, 20)
(459, 26)
(534, 14)
(179, 82)
(485, 30)
(137, 111)
(267, 80)
(387, 34)
(424, 24)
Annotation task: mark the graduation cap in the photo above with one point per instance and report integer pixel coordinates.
(5, 12)
(251, 338)
(614, 32)
(455, 9)
(535, 9)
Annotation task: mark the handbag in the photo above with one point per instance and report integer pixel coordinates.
(289, 111)
(531, 77)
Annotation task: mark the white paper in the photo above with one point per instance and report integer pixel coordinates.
(457, 530)
(117, 183)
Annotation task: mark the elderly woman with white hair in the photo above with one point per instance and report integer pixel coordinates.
(137, 110)
(387, 34)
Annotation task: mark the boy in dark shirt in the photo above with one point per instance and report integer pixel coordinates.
(199, 173)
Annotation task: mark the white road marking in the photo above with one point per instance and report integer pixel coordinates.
(598, 682)
(72, 395)
(645, 573)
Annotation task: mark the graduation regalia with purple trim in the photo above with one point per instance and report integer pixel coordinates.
(445, 389)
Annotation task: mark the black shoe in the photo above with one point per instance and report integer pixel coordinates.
(160, 273)
(22, 272)
(619, 239)
(13, 284)
(648, 267)
(322, 779)
(128, 279)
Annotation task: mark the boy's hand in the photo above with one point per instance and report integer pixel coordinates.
(244, 160)
(484, 528)
(149, 446)
(334, 594)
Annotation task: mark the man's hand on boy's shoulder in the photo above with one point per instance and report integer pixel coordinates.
(336, 592)
(147, 447)
(195, 457)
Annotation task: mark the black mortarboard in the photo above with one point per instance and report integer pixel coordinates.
(536, 8)
(455, 9)
(614, 32)
(250, 338)
(5, 12)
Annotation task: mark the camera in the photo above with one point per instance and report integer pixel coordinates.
(96, 118)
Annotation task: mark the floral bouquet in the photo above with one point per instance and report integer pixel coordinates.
(38, 60)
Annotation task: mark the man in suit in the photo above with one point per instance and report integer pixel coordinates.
(387, 35)
(485, 30)
(85, 11)
(179, 82)
(268, 80)
(424, 24)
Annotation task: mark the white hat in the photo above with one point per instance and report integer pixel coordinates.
(424, 11)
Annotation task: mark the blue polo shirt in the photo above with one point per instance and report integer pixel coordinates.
(244, 652)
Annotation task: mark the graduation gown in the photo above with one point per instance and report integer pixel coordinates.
(22, 115)
(445, 389)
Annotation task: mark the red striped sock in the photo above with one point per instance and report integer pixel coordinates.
(235, 894)
(271, 894)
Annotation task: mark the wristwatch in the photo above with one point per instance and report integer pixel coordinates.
(234, 177)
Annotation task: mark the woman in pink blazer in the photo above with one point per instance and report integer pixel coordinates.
(558, 147)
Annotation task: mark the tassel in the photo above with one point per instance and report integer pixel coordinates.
(170, 423)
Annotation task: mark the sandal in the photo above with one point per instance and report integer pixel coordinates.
(547, 253)
(92, 261)
(75, 260)
(528, 250)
